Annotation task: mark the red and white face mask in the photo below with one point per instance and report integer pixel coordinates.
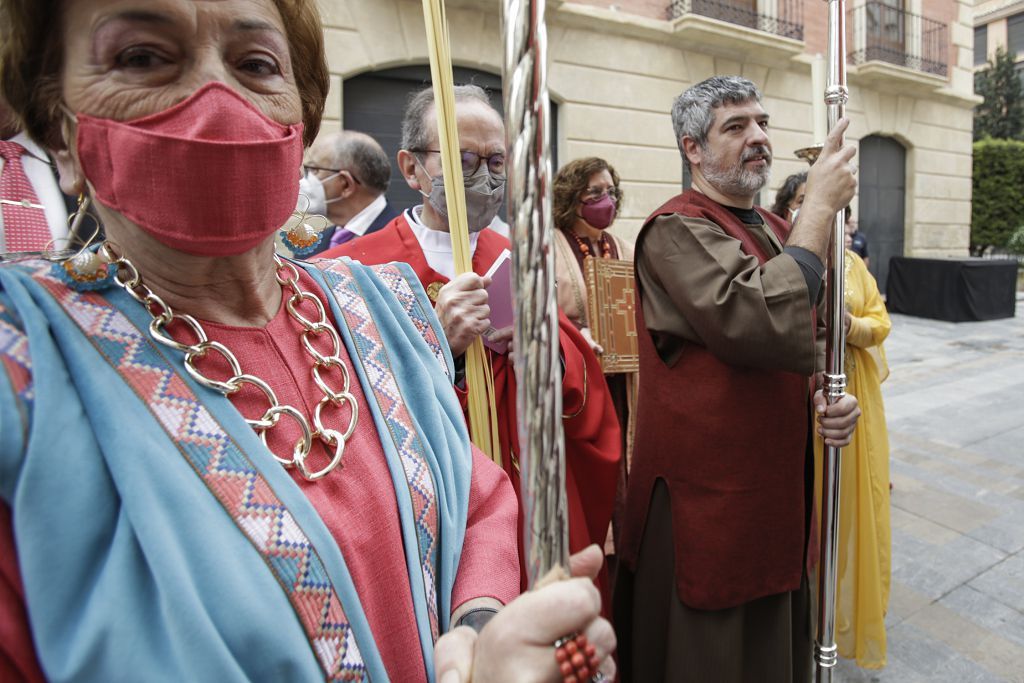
(211, 176)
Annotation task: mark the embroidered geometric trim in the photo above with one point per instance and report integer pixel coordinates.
(399, 285)
(16, 360)
(385, 389)
(228, 473)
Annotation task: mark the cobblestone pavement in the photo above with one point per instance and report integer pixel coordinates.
(955, 409)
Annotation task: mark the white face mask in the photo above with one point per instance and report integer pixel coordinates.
(312, 188)
(793, 213)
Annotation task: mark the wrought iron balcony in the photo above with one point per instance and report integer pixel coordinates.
(782, 17)
(889, 34)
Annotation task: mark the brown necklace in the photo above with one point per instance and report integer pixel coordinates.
(584, 245)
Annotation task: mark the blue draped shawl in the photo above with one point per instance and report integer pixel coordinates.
(157, 537)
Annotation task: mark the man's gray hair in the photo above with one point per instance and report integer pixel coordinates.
(416, 134)
(361, 155)
(693, 111)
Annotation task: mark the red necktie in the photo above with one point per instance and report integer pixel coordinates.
(25, 226)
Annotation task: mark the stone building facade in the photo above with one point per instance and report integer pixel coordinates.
(999, 23)
(616, 66)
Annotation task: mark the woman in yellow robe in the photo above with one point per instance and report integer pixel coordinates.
(864, 567)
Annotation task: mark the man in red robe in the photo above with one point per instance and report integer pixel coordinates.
(420, 237)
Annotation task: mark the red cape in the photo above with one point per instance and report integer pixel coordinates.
(592, 439)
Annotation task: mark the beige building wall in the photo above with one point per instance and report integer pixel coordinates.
(992, 14)
(615, 74)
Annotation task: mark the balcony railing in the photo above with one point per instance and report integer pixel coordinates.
(782, 17)
(888, 34)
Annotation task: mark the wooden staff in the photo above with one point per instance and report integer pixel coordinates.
(537, 362)
(479, 380)
(836, 97)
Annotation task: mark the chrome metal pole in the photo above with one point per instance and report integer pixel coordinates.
(536, 355)
(836, 96)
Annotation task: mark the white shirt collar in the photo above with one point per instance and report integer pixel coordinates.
(436, 244)
(30, 146)
(364, 219)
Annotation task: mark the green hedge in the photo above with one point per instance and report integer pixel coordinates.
(998, 204)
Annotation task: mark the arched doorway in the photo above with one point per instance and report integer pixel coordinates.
(883, 189)
(373, 103)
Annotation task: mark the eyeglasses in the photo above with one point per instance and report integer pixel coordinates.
(471, 162)
(592, 194)
(309, 168)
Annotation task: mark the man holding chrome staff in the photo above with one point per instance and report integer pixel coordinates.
(718, 523)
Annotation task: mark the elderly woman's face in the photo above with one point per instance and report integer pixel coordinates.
(129, 58)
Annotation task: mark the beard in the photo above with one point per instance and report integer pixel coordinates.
(737, 179)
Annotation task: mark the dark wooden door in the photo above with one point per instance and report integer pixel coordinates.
(883, 163)
(373, 103)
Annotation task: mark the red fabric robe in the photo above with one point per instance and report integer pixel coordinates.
(18, 661)
(592, 440)
(736, 478)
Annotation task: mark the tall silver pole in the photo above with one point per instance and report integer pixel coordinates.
(836, 97)
(536, 355)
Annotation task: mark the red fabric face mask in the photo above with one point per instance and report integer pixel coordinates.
(211, 176)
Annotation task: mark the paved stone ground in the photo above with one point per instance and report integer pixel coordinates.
(955, 409)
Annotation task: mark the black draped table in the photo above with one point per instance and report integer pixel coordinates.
(952, 289)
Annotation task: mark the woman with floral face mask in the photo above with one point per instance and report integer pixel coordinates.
(200, 477)
(586, 201)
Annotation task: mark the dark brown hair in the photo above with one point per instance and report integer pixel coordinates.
(786, 193)
(571, 180)
(32, 55)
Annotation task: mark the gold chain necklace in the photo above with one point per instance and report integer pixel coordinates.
(127, 276)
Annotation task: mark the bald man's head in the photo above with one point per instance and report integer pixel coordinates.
(419, 123)
(357, 153)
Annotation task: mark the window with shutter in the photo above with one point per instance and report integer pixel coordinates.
(1015, 35)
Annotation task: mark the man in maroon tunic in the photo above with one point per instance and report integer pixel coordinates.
(420, 237)
(718, 523)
